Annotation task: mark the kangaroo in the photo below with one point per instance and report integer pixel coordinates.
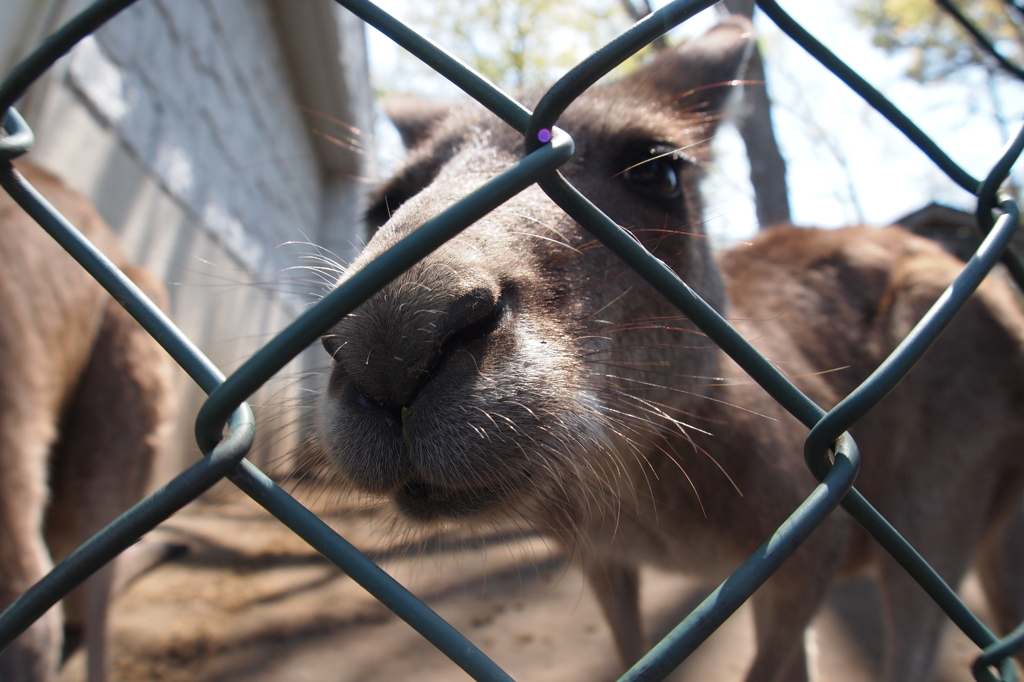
(85, 404)
(522, 371)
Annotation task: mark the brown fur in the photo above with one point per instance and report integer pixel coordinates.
(522, 371)
(85, 399)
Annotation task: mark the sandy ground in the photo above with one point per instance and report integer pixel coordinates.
(253, 602)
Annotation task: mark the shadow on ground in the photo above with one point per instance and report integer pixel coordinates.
(251, 602)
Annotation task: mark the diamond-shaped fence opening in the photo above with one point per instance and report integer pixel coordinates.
(226, 412)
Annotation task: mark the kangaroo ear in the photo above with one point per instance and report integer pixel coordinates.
(415, 117)
(700, 74)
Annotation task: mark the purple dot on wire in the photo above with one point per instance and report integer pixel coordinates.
(544, 135)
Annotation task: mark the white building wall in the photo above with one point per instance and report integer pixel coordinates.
(226, 140)
(184, 122)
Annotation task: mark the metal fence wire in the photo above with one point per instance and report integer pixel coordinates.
(225, 411)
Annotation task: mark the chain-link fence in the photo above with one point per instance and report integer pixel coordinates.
(226, 412)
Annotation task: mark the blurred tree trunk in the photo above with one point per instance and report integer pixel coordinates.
(767, 167)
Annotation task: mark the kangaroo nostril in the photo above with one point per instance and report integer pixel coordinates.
(364, 399)
(481, 321)
(332, 344)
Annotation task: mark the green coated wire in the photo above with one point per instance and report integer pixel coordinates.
(225, 403)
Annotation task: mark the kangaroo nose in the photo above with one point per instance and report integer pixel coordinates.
(398, 340)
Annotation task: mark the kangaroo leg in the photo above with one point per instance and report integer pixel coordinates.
(913, 626)
(783, 609)
(786, 603)
(115, 426)
(617, 587)
(1000, 565)
(35, 655)
(914, 621)
(140, 558)
(25, 434)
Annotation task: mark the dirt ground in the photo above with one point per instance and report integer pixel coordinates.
(250, 601)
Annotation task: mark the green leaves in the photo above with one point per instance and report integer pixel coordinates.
(939, 46)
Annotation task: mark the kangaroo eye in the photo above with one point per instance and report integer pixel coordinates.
(656, 172)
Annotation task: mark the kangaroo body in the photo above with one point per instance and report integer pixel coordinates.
(85, 400)
(523, 372)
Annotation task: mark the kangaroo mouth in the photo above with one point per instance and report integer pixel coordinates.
(424, 501)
